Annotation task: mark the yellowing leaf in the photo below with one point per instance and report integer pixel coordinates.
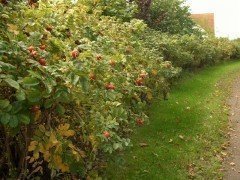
(57, 159)
(93, 140)
(59, 164)
(149, 95)
(13, 28)
(36, 155)
(64, 168)
(52, 139)
(46, 156)
(41, 148)
(31, 160)
(32, 146)
(63, 129)
(154, 72)
(74, 152)
(71, 146)
(58, 148)
(69, 133)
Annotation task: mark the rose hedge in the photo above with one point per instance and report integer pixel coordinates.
(192, 51)
(75, 80)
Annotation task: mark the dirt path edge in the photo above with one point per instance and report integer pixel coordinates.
(232, 161)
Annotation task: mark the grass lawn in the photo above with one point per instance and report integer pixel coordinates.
(185, 135)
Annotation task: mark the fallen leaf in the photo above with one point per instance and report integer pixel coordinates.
(223, 153)
(191, 170)
(181, 137)
(155, 154)
(143, 144)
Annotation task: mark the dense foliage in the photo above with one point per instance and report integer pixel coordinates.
(192, 51)
(77, 77)
(170, 16)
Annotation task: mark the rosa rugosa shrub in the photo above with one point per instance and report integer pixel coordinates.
(191, 51)
(73, 83)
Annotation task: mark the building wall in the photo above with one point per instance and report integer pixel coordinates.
(206, 21)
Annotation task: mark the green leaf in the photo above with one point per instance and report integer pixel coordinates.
(64, 98)
(5, 119)
(24, 119)
(84, 83)
(60, 109)
(117, 146)
(30, 81)
(8, 108)
(75, 79)
(20, 95)
(35, 74)
(48, 103)
(6, 66)
(4, 103)
(34, 95)
(49, 83)
(16, 107)
(13, 122)
(12, 83)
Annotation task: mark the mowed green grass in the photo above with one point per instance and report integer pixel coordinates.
(185, 134)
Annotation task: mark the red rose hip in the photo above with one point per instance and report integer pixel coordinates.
(43, 47)
(99, 57)
(34, 53)
(42, 61)
(139, 122)
(31, 49)
(110, 86)
(75, 54)
(106, 134)
(139, 81)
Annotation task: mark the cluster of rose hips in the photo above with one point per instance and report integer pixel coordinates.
(75, 54)
(34, 54)
(140, 80)
(92, 76)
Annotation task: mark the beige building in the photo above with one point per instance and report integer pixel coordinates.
(206, 21)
